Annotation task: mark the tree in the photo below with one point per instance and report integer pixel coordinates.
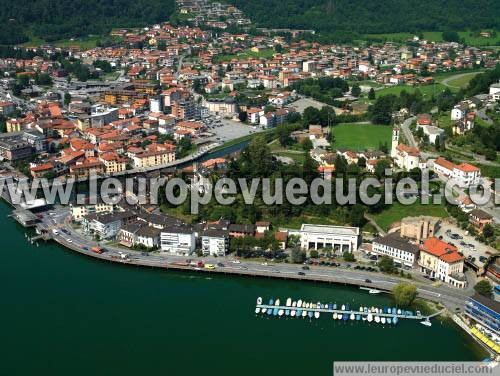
(381, 166)
(437, 144)
(484, 288)
(356, 90)
(404, 294)
(243, 116)
(297, 256)
(386, 264)
(313, 253)
(450, 36)
(307, 144)
(488, 231)
(371, 94)
(67, 98)
(348, 256)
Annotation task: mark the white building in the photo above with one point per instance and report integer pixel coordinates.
(148, 236)
(495, 91)
(105, 226)
(177, 240)
(399, 249)
(464, 174)
(215, 242)
(340, 238)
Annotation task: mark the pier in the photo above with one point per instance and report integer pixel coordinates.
(364, 313)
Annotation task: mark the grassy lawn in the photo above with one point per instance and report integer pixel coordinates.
(361, 136)
(490, 171)
(398, 211)
(470, 38)
(266, 54)
(84, 43)
(426, 90)
(298, 158)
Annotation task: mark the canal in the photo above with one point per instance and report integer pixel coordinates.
(63, 313)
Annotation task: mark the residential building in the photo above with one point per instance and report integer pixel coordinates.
(479, 218)
(215, 242)
(148, 236)
(399, 249)
(177, 240)
(464, 174)
(441, 260)
(106, 225)
(238, 231)
(339, 238)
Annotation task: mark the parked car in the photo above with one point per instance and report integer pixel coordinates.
(305, 267)
(368, 280)
(301, 273)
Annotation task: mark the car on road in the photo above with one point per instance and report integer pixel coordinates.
(301, 273)
(220, 265)
(368, 280)
(264, 264)
(305, 267)
(236, 262)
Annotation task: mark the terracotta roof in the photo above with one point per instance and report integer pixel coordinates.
(442, 250)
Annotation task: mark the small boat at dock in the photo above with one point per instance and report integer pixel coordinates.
(426, 322)
(288, 302)
(257, 310)
(377, 319)
(264, 310)
(259, 300)
(374, 291)
(304, 313)
(271, 301)
(310, 314)
(358, 317)
(277, 302)
(292, 313)
(316, 314)
(352, 317)
(275, 312)
(369, 317)
(382, 320)
(269, 311)
(287, 312)
(280, 312)
(299, 303)
(343, 307)
(395, 320)
(294, 304)
(389, 320)
(335, 315)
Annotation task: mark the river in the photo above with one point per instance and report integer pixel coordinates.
(64, 313)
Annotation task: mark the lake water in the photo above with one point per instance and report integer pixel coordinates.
(64, 313)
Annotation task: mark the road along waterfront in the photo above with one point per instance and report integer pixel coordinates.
(73, 314)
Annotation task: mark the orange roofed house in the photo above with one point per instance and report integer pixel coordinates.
(442, 261)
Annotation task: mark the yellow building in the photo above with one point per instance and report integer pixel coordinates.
(153, 158)
(13, 125)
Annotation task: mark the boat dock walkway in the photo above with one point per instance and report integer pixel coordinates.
(349, 312)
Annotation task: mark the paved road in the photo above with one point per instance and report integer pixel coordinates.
(59, 218)
(407, 132)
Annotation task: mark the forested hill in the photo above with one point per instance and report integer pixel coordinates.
(58, 19)
(373, 16)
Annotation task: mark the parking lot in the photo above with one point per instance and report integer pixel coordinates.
(475, 251)
(225, 130)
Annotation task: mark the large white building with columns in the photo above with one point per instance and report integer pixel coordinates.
(339, 238)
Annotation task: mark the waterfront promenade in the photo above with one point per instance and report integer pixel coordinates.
(59, 219)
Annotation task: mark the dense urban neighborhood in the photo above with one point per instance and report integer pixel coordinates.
(202, 99)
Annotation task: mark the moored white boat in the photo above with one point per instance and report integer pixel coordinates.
(281, 312)
(277, 302)
(299, 303)
(288, 302)
(377, 319)
(335, 315)
(352, 317)
(257, 310)
(259, 300)
(343, 307)
(374, 291)
(316, 314)
(292, 313)
(382, 320)
(370, 317)
(304, 313)
(294, 304)
(264, 310)
(426, 323)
